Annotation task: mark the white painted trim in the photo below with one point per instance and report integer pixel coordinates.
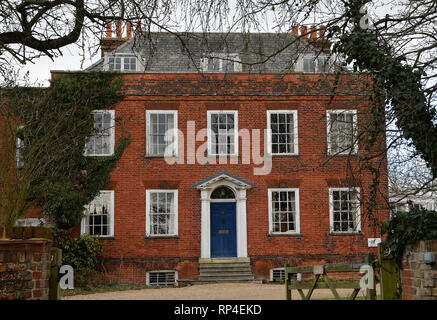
(19, 143)
(274, 269)
(176, 213)
(297, 216)
(112, 139)
(354, 124)
(209, 131)
(205, 225)
(175, 132)
(331, 210)
(235, 57)
(122, 56)
(241, 217)
(295, 133)
(300, 64)
(176, 275)
(111, 217)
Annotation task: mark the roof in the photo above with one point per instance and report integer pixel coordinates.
(182, 52)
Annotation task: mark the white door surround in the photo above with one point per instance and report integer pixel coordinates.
(239, 187)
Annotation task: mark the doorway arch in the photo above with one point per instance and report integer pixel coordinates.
(238, 187)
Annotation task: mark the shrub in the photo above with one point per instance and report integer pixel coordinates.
(81, 253)
(88, 278)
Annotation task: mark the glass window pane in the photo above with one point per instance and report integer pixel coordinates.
(222, 193)
(283, 211)
(98, 215)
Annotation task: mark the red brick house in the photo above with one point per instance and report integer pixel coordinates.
(274, 177)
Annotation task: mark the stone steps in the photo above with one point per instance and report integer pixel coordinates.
(225, 270)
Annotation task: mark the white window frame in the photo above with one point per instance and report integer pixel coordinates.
(122, 56)
(112, 133)
(235, 57)
(209, 132)
(276, 269)
(297, 215)
(315, 57)
(19, 144)
(295, 133)
(175, 133)
(298, 275)
(331, 211)
(176, 276)
(111, 217)
(354, 149)
(176, 212)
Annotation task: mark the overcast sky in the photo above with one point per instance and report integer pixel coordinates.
(39, 72)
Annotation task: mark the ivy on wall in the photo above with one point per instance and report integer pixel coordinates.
(56, 123)
(406, 228)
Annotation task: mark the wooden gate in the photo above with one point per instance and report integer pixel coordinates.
(390, 274)
(321, 279)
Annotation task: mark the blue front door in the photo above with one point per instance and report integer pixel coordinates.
(223, 229)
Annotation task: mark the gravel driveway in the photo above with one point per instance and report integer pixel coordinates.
(221, 291)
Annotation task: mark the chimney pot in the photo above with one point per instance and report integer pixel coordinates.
(295, 30)
(313, 32)
(322, 31)
(304, 32)
(109, 29)
(129, 29)
(118, 29)
(138, 27)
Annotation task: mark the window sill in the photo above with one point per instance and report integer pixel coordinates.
(355, 233)
(274, 155)
(101, 237)
(342, 154)
(99, 155)
(161, 156)
(215, 156)
(107, 238)
(284, 234)
(147, 237)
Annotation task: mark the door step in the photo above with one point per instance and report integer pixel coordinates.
(225, 270)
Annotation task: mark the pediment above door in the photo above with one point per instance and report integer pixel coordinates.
(223, 177)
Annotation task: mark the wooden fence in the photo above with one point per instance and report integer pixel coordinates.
(321, 280)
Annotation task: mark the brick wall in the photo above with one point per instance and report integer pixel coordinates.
(25, 264)
(419, 279)
(129, 254)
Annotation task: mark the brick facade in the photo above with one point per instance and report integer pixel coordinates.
(25, 264)
(129, 254)
(419, 279)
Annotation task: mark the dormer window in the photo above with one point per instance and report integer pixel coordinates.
(123, 64)
(314, 63)
(221, 62)
(114, 64)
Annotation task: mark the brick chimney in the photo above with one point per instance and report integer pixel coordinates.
(115, 37)
(322, 31)
(303, 32)
(313, 34)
